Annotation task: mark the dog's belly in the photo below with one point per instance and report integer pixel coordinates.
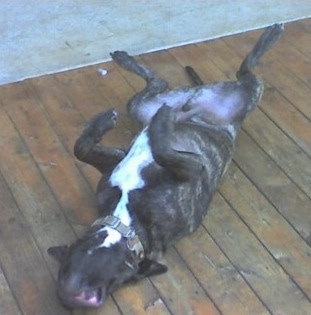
(213, 104)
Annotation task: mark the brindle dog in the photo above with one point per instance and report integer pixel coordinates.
(159, 190)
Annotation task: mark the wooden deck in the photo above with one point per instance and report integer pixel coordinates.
(252, 253)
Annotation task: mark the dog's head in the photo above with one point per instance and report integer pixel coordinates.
(89, 272)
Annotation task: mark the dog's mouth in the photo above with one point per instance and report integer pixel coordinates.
(92, 298)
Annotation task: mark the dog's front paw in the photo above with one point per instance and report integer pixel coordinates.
(111, 115)
(103, 122)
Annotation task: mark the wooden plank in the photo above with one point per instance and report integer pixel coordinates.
(180, 290)
(292, 59)
(66, 120)
(196, 57)
(289, 86)
(113, 86)
(109, 87)
(119, 94)
(22, 262)
(8, 304)
(297, 34)
(290, 55)
(56, 166)
(275, 185)
(84, 93)
(139, 299)
(269, 226)
(34, 198)
(294, 124)
(306, 23)
(293, 161)
(220, 279)
(167, 67)
(29, 189)
(273, 286)
(109, 308)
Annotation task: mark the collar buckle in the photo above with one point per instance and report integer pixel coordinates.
(133, 242)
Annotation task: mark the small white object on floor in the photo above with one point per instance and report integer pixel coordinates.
(102, 72)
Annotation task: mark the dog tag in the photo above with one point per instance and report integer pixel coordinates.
(135, 245)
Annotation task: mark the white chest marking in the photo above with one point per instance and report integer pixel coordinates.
(127, 176)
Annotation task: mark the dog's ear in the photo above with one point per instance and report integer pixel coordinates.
(58, 252)
(148, 268)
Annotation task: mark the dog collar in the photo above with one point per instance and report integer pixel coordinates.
(133, 242)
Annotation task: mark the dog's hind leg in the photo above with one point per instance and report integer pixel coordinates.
(154, 84)
(252, 85)
(266, 40)
(183, 164)
(87, 149)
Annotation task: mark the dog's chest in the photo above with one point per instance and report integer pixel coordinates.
(127, 174)
(127, 177)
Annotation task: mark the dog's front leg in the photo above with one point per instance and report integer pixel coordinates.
(88, 150)
(183, 164)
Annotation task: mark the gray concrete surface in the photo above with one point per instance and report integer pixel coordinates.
(47, 36)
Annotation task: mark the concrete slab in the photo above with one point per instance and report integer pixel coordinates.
(40, 37)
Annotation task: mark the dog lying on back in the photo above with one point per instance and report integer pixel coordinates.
(159, 190)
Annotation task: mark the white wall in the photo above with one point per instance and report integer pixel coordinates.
(46, 36)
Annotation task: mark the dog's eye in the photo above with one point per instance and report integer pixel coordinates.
(65, 268)
(129, 265)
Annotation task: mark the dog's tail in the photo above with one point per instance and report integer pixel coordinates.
(266, 40)
(196, 80)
